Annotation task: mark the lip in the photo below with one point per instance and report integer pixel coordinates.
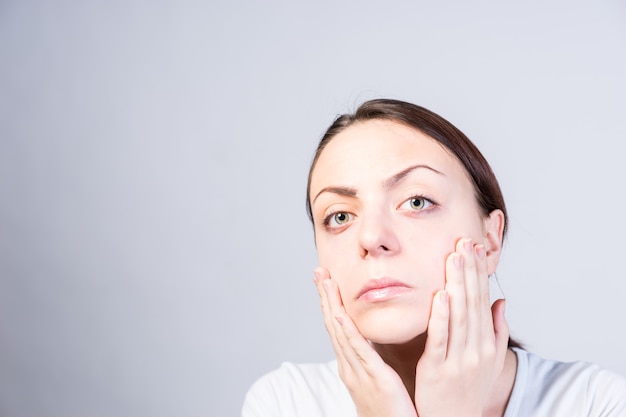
(381, 289)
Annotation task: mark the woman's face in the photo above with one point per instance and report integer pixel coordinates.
(389, 204)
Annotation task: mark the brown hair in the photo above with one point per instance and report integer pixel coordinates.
(486, 187)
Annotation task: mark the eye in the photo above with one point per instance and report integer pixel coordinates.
(417, 203)
(337, 219)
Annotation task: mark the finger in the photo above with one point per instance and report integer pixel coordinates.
(472, 294)
(483, 280)
(437, 339)
(455, 287)
(501, 329)
(321, 276)
(486, 324)
(355, 351)
(358, 352)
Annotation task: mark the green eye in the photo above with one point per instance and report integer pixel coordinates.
(417, 203)
(341, 218)
(338, 219)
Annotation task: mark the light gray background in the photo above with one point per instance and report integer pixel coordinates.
(155, 256)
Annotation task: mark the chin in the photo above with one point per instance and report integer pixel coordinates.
(390, 327)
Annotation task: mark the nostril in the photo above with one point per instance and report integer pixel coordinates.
(383, 247)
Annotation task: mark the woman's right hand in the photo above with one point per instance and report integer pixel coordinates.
(376, 389)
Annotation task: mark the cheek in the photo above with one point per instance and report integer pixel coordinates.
(428, 247)
(340, 257)
(327, 254)
(431, 243)
(440, 238)
(336, 258)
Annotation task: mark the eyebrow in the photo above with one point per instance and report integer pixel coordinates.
(345, 191)
(388, 183)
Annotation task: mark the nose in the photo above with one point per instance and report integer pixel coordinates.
(377, 236)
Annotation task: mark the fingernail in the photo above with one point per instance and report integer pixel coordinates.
(458, 261)
(316, 276)
(443, 297)
(480, 251)
(339, 320)
(467, 245)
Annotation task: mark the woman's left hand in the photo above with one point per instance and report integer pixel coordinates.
(466, 343)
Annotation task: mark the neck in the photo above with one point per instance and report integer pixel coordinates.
(403, 359)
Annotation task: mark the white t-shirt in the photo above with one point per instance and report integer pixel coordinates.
(543, 388)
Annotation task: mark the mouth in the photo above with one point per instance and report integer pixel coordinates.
(381, 289)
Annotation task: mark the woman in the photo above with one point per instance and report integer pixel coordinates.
(409, 221)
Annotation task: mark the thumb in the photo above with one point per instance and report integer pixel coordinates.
(500, 327)
(436, 347)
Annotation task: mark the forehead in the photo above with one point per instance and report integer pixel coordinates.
(376, 149)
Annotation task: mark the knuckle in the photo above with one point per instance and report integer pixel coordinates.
(461, 319)
(473, 361)
(474, 302)
(489, 351)
(342, 372)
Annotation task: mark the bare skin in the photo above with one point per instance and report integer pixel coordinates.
(401, 380)
(404, 258)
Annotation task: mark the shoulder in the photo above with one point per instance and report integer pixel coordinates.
(299, 389)
(553, 388)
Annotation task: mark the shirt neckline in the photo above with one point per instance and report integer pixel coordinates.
(519, 385)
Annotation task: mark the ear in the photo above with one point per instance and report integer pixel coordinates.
(493, 227)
